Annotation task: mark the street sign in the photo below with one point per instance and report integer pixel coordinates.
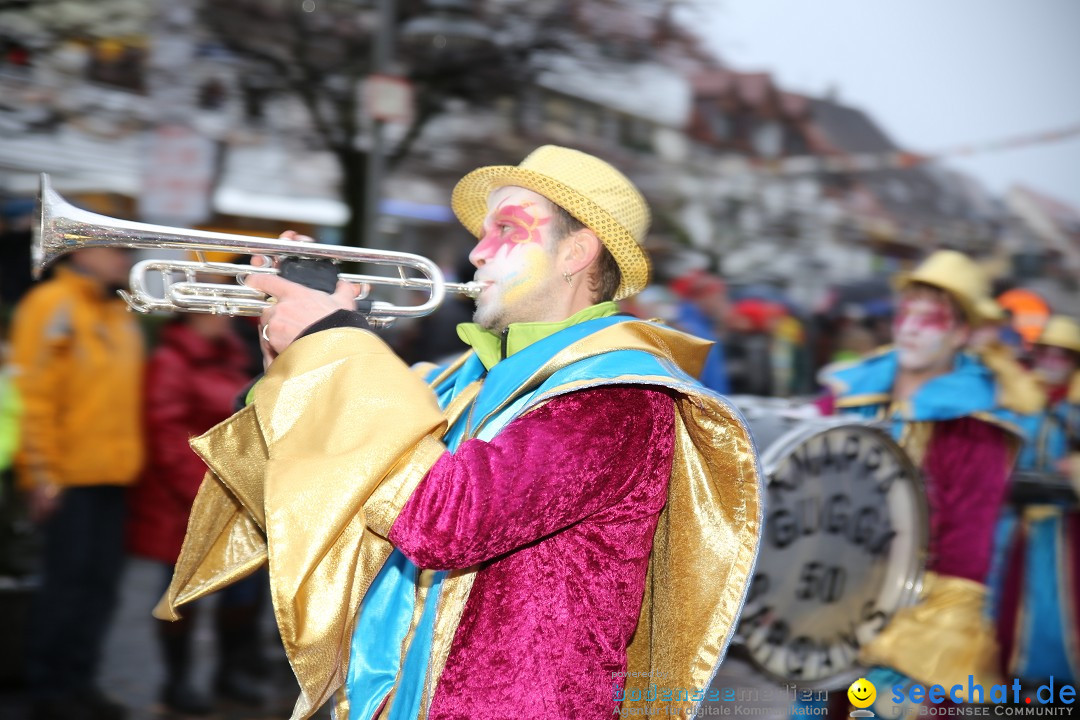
(177, 176)
(388, 98)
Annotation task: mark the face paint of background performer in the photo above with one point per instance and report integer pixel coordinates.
(1055, 365)
(515, 260)
(927, 331)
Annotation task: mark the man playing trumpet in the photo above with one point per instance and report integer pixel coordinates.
(560, 523)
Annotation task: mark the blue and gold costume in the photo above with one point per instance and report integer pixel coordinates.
(1037, 578)
(945, 637)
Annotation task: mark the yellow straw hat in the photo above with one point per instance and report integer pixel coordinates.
(1062, 332)
(956, 274)
(989, 310)
(588, 188)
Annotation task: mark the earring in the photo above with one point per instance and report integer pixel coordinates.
(569, 278)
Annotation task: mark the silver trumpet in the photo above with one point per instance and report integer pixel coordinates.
(64, 228)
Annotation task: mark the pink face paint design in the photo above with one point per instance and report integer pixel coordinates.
(924, 331)
(509, 226)
(1054, 365)
(513, 259)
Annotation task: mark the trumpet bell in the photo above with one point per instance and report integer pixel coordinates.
(55, 234)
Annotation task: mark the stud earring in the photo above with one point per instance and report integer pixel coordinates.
(569, 278)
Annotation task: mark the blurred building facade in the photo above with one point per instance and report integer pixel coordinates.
(1042, 242)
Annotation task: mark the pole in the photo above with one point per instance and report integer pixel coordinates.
(381, 50)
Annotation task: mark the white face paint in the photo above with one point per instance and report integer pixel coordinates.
(1054, 365)
(513, 260)
(925, 333)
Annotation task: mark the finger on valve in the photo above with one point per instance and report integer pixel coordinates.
(296, 237)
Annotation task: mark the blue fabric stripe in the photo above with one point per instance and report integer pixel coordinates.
(375, 651)
(1044, 652)
(505, 379)
(387, 609)
(1004, 537)
(410, 692)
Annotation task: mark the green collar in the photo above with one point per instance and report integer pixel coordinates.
(492, 348)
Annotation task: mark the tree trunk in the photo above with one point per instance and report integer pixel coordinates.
(353, 193)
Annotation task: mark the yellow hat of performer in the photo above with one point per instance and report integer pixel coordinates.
(956, 274)
(990, 310)
(588, 188)
(1062, 332)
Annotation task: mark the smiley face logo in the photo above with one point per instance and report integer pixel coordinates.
(862, 693)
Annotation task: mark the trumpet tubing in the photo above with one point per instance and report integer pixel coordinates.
(63, 228)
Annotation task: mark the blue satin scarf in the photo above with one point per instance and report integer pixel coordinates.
(967, 390)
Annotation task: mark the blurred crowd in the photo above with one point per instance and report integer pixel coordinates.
(96, 410)
(97, 405)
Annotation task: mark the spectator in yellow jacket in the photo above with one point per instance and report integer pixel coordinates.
(77, 358)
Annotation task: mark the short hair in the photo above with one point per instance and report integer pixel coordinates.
(606, 277)
(960, 317)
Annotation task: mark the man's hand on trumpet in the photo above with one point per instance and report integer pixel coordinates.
(295, 307)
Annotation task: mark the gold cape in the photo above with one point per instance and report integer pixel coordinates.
(1018, 388)
(942, 639)
(312, 473)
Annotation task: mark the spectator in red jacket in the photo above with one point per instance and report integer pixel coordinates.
(192, 381)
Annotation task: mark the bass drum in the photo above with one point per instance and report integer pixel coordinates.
(844, 543)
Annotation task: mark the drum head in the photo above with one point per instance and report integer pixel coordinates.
(843, 546)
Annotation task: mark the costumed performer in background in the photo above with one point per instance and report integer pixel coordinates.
(1038, 611)
(942, 405)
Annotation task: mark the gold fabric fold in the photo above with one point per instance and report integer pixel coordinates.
(235, 450)
(1018, 389)
(850, 401)
(223, 544)
(316, 479)
(942, 639)
(703, 556)
(915, 439)
(455, 593)
(225, 538)
(386, 500)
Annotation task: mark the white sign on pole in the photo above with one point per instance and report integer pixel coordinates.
(388, 98)
(177, 177)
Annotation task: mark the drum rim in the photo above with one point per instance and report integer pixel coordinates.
(915, 573)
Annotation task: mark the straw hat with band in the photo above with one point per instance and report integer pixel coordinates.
(1062, 332)
(588, 188)
(956, 274)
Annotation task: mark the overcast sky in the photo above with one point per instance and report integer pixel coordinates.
(935, 74)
